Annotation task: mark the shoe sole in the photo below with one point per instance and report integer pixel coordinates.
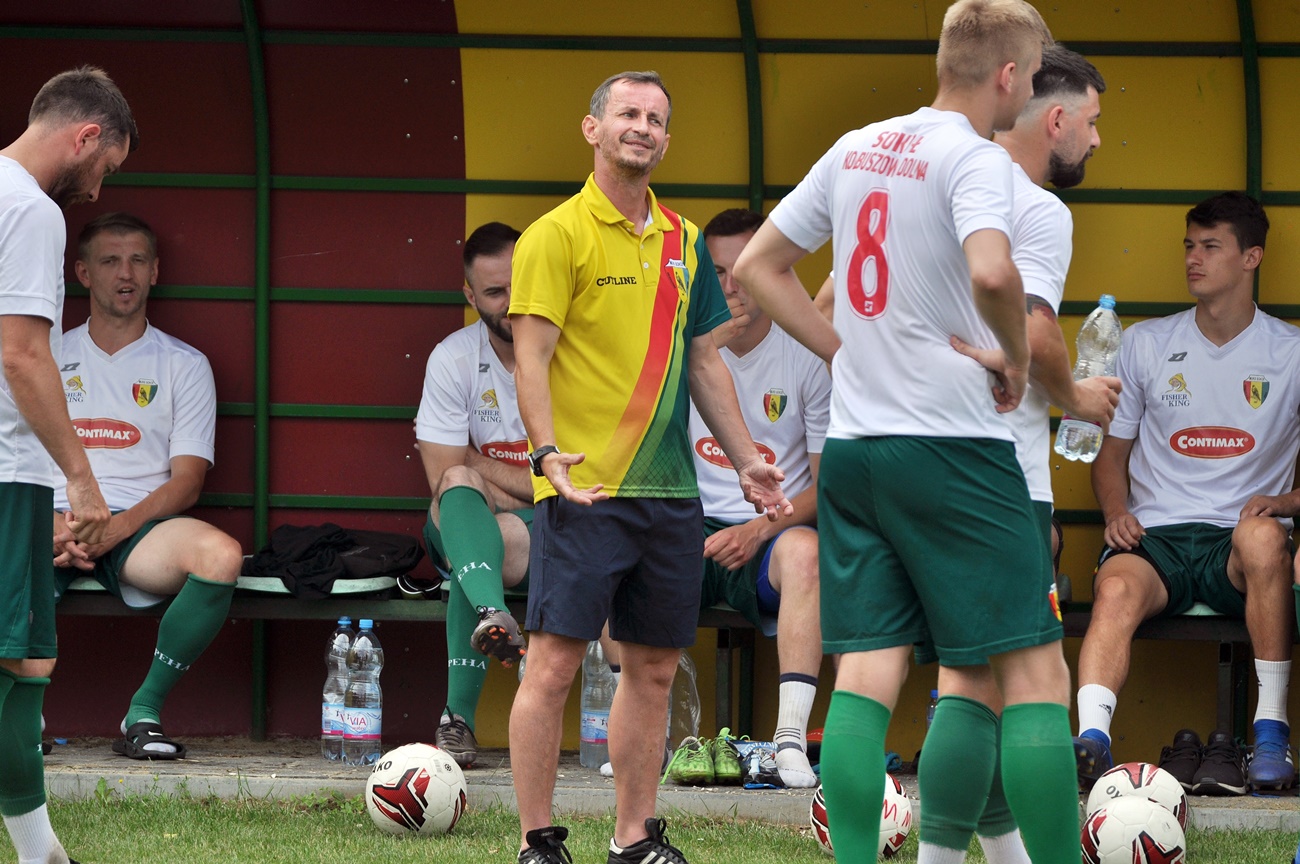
(1275, 786)
(1214, 788)
(495, 642)
(1089, 775)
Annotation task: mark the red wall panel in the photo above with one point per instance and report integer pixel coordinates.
(114, 13)
(345, 457)
(407, 16)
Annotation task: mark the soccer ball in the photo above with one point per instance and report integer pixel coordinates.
(416, 789)
(895, 819)
(1133, 830)
(1145, 781)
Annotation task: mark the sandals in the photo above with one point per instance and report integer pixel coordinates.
(147, 732)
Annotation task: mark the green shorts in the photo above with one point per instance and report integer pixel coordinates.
(438, 555)
(108, 571)
(925, 653)
(929, 538)
(739, 588)
(1191, 560)
(26, 572)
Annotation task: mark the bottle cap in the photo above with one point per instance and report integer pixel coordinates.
(367, 623)
(1107, 301)
(345, 621)
(934, 694)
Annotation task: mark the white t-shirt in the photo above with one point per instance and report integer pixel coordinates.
(136, 410)
(1041, 238)
(1213, 425)
(785, 393)
(32, 237)
(469, 399)
(899, 198)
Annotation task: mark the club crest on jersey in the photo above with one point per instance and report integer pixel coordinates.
(74, 389)
(1255, 388)
(1177, 396)
(774, 402)
(143, 391)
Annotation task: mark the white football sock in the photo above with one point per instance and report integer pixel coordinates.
(1096, 708)
(1274, 679)
(793, 709)
(931, 853)
(1006, 849)
(34, 839)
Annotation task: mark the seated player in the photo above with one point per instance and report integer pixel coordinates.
(145, 407)
(1195, 483)
(767, 570)
(475, 454)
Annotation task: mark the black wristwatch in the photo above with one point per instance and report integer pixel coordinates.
(535, 458)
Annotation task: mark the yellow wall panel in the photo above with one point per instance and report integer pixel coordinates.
(1277, 20)
(1279, 105)
(599, 18)
(524, 109)
(1279, 274)
(1128, 20)
(849, 19)
(1132, 251)
(1171, 123)
(810, 100)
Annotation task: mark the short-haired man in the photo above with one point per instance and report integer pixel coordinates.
(612, 294)
(145, 406)
(1195, 485)
(475, 454)
(79, 130)
(767, 570)
(926, 526)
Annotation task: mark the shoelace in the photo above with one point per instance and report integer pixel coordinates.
(1273, 748)
(684, 750)
(656, 828)
(1222, 751)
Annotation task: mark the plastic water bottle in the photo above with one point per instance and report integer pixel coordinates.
(1098, 353)
(684, 709)
(597, 696)
(929, 709)
(336, 685)
(363, 704)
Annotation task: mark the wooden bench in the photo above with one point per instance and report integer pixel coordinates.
(262, 600)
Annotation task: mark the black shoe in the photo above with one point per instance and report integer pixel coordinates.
(546, 846)
(654, 848)
(1183, 759)
(1223, 768)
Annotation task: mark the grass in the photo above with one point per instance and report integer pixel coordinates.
(155, 829)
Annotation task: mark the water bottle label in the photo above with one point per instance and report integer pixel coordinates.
(595, 727)
(331, 719)
(363, 724)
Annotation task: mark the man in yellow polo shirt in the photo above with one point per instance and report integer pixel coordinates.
(611, 291)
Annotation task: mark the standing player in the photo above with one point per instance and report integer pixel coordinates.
(767, 570)
(475, 454)
(79, 129)
(145, 407)
(927, 531)
(612, 292)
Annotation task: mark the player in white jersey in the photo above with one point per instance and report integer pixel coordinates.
(764, 569)
(145, 407)
(1195, 486)
(925, 520)
(475, 454)
(79, 130)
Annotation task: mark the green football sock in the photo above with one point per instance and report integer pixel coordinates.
(853, 774)
(475, 549)
(466, 668)
(187, 627)
(956, 769)
(1040, 781)
(996, 820)
(22, 767)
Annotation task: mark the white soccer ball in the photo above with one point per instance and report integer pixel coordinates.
(1145, 781)
(895, 819)
(1133, 830)
(416, 789)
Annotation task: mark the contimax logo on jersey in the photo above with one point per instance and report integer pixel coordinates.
(106, 433)
(74, 389)
(711, 451)
(1255, 388)
(1212, 442)
(1177, 396)
(143, 391)
(514, 452)
(774, 402)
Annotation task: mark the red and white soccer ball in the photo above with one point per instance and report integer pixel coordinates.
(416, 789)
(1143, 780)
(895, 819)
(1133, 830)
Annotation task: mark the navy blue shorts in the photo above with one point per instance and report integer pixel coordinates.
(636, 562)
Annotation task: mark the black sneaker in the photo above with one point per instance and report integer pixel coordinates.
(454, 735)
(1223, 768)
(654, 848)
(546, 846)
(1183, 759)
